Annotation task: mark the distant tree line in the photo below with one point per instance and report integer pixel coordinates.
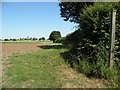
(20, 39)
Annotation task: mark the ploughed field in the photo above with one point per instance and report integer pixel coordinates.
(9, 49)
(41, 66)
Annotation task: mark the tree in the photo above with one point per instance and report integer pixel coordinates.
(43, 38)
(30, 38)
(40, 39)
(14, 39)
(21, 39)
(35, 39)
(54, 35)
(6, 39)
(70, 11)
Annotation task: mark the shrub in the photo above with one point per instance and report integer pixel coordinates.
(60, 40)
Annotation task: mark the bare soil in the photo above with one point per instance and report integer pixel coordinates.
(9, 49)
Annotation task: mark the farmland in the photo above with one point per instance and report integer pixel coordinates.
(25, 42)
(41, 51)
(42, 66)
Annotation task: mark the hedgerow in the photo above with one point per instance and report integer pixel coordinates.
(91, 42)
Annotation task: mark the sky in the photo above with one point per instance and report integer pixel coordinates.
(33, 19)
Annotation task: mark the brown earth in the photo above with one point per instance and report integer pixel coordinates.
(9, 49)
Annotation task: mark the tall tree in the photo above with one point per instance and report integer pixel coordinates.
(70, 11)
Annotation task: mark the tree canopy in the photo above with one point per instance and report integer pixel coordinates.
(55, 35)
(70, 11)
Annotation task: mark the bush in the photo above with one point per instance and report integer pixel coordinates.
(60, 40)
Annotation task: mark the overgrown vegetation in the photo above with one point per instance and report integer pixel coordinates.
(60, 40)
(89, 52)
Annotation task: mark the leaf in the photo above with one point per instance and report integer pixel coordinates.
(103, 31)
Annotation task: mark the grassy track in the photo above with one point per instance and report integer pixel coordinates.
(44, 69)
(36, 69)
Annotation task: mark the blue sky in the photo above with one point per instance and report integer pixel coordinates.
(33, 19)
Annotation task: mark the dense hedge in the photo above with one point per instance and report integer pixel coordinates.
(60, 40)
(91, 42)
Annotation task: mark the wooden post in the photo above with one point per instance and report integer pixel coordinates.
(112, 38)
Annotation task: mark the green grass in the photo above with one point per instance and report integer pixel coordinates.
(26, 42)
(36, 69)
(44, 68)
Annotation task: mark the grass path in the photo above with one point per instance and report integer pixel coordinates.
(45, 68)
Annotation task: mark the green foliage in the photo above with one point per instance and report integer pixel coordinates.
(90, 43)
(43, 38)
(6, 39)
(117, 42)
(14, 39)
(35, 39)
(60, 40)
(73, 38)
(55, 35)
(70, 11)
